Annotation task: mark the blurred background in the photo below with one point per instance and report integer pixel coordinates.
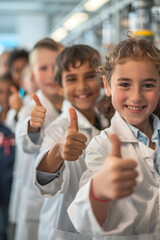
(99, 23)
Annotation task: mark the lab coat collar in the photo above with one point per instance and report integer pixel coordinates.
(121, 128)
(83, 122)
(45, 101)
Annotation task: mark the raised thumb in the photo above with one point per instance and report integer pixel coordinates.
(73, 120)
(116, 146)
(36, 99)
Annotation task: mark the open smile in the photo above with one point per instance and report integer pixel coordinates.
(135, 108)
(83, 96)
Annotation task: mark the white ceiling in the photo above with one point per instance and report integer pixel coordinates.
(11, 11)
(14, 12)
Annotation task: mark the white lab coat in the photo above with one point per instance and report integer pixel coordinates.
(15, 191)
(136, 217)
(30, 201)
(54, 217)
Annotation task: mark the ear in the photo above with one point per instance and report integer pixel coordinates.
(106, 86)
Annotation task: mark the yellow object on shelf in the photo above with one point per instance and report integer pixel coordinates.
(144, 33)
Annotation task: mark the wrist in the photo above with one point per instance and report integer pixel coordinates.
(98, 199)
(95, 192)
(53, 160)
(32, 129)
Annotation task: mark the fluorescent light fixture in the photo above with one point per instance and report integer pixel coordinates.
(93, 5)
(59, 34)
(75, 20)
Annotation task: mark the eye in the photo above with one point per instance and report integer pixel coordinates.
(43, 68)
(71, 79)
(148, 85)
(91, 76)
(125, 85)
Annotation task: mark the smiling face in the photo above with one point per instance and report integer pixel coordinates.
(81, 87)
(43, 71)
(17, 69)
(135, 91)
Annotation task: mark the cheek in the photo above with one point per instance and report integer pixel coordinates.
(153, 99)
(65, 92)
(117, 97)
(95, 86)
(40, 80)
(3, 97)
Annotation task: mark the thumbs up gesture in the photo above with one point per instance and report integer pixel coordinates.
(37, 115)
(74, 141)
(15, 101)
(117, 178)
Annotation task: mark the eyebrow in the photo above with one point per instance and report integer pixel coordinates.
(70, 75)
(90, 72)
(145, 80)
(150, 80)
(123, 79)
(73, 75)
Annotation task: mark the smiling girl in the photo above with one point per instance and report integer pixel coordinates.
(120, 199)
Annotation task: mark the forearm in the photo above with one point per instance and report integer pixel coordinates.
(52, 161)
(100, 206)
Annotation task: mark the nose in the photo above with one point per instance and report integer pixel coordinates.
(82, 85)
(136, 95)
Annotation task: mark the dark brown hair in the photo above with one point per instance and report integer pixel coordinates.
(73, 54)
(17, 54)
(5, 77)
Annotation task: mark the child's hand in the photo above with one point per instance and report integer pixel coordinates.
(117, 178)
(69, 147)
(74, 142)
(15, 101)
(37, 115)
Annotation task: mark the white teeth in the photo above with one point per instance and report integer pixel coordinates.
(82, 96)
(134, 108)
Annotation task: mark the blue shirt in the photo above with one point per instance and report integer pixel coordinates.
(141, 137)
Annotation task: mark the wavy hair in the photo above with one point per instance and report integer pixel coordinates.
(131, 48)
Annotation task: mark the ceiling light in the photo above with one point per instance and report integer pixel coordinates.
(93, 5)
(59, 34)
(75, 20)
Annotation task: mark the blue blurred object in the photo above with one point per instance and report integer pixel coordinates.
(22, 92)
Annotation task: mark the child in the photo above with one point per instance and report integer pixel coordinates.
(59, 164)
(29, 87)
(7, 148)
(121, 197)
(27, 83)
(5, 85)
(7, 152)
(20, 98)
(17, 61)
(4, 62)
(42, 61)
